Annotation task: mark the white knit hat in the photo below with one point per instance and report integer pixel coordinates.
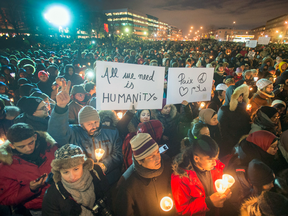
(278, 102)
(221, 86)
(262, 83)
(88, 113)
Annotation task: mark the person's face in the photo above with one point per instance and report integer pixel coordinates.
(220, 69)
(166, 110)
(273, 72)
(205, 131)
(43, 78)
(269, 89)
(273, 148)
(70, 71)
(223, 94)
(79, 96)
(242, 67)
(73, 174)
(41, 111)
(2, 89)
(22, 75)
(205, 162)
(152, 162)
(25, 146)
(6, 71)
(269, 186)
(268, 63)
(281, 110)
(239, 74)
(91, 126)
(144, 116)
(240, 99)
(214, 120)
(275, 118)
(283, 67)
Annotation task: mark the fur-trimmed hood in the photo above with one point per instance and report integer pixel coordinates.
(250, 207)
(110, 114)
(172, 114)
(243, 89)
(268, 59)
(6, 151)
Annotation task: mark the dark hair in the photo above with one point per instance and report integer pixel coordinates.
(19, 132)
(195, 131)
(89, 86)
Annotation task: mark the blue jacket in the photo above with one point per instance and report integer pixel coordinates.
(108, 139)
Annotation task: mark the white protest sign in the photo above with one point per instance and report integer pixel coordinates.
(251, 54)
(264, 40)
(251, 43)
(121, 85)
(190, 84)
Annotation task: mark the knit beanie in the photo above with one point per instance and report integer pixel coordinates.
(29, 104)
(22, 81)
(239, 70)
(143, 146)
(271, 203)
(259, 173)
(221, 86)
(42, 73)
(275, 102)
(269, 111)
(206, 115)
(77, 89)
(40, 94)
(88, 113)
(262, 83)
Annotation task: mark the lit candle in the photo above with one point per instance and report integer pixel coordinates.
(12, 99)
(89, 63)
(221, 186)
(99, 153)
(251, 89)
(248, 106)
(256, 78)
(119, 115)
(202, 105)
(1, 141)
(274, 79)
(166, 203)
(228, 179)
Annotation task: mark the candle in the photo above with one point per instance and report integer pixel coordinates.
(248, 106)
(202, 105)
(166, 203)
(12, 99)
(251, 89)
(221, 186)
(256, 78)
(1, 141)
(99, 153)
(274, 79)
(229, 179)
(119, 115)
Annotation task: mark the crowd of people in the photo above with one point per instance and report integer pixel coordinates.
(60, 155)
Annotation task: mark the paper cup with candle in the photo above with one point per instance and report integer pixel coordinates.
(221, 186)
(229, 179)
(99, 152)
(166, 203)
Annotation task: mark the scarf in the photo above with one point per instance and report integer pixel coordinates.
(145, 172)
(82, 192)
(264, 122)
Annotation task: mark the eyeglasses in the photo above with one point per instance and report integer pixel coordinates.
(44, 108)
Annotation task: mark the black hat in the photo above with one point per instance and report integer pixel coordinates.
(271, 69)
(269, 111)
(259, 173)
(29, 104)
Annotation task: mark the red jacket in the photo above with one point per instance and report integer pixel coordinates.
(16, 174)
(188, 192)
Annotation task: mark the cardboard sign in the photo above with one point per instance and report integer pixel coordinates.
(251, 54)
(121, 85)
(190, 84)
(251, 43)
(264, 40)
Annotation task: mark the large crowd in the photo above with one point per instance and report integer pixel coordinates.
(60, 155)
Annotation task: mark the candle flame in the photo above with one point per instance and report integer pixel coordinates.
(166, 203)
(99, 153)
(248, 106)
(119, 115)
(202, 105)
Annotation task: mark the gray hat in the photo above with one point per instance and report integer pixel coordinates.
(88, 113)
(77, 89)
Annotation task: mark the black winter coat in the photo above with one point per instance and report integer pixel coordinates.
(39, 124)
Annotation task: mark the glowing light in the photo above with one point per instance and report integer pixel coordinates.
(99, 152)
(255, 78)
(202, 105)
(1, 141)
(119, 115)
(145, 33)
(277, 31)
(223, 184)
(58, 15)
(234, 22)
(12, 99)
(166, 203)
(280, 36)
(248, 106)
(127, 30)
(201, 27)
(90, 74)
(93, 42)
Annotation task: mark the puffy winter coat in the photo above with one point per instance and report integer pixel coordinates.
(39, 124)
(16, 174)
(188, 191)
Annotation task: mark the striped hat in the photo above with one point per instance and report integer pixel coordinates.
(143, 146)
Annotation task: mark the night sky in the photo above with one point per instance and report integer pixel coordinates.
(247, 14)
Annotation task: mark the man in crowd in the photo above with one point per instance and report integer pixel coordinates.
(150, 173)
(25, 164)
(217, 100)
(89, 135)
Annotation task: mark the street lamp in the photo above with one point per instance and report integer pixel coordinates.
(234, 22)
(277, 31)
(201, 27)
(127, 30)
(191, 27)
(58, 16)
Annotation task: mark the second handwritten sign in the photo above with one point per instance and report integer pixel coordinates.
(119, 86)
(190, 84)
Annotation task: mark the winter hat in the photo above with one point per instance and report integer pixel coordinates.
(221, 86)
(143, 146)
(259, 173)
(262, 138)
(42, 73)
(205, 115)
(271, 69)
(275, 102)
(29, 104)
(88, 113)
(278, 59)
(2, 83)
(40, 94)
(269, 111)
(238, 70)
(262, 83)
(22, 81)
(271, 203)
(77, 89)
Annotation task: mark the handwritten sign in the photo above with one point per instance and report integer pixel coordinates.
(264, 40)
(251, 43)
(190, 84)
(120, 85)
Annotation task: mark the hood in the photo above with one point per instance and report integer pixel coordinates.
(228, 95)
(250, 207)
(243, 89)
(281, 79)
(6, 151)
(152, 127)
(280, 65)
(109, 115)
(268, 59)
(11, 112)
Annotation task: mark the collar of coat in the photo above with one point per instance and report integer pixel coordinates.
(264, 95)
(243, 89)
(250, 207)
(6, 154)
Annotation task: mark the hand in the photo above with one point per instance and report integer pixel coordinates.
(184, 102)
(228, 193)
(103, 167)
(63, 97)
(35, 185)
(218, 199)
